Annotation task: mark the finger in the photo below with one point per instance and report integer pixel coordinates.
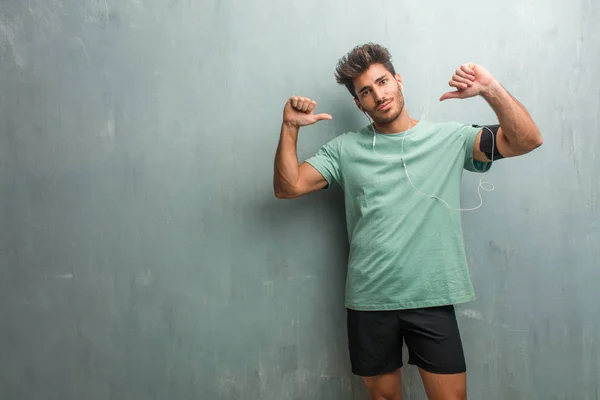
(294, 101)
(463, 74)
(450, 95)
(323, 116)
(457, 78)
(311, 107)
(300, 103)
(307, 102)
(468, 68)
(458, 85)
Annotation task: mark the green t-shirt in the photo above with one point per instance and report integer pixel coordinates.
(406, 250)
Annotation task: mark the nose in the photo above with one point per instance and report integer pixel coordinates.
(377, 94)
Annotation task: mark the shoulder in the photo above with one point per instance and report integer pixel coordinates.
(456, 128)
(349, 138)
(335, 144)
(447, 126)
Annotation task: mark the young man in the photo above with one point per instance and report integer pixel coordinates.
(401, 182)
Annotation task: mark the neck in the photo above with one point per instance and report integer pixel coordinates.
(401, 124)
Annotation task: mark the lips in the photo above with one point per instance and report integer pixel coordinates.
(384, 106)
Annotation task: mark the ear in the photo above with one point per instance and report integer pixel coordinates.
(399, 80)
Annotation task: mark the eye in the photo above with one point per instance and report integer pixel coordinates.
(384, 81)
(364, 93)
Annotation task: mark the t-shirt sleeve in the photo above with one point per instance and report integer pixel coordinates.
(327, 161)
(469, 135)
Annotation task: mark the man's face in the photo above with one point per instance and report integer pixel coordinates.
(379, 94)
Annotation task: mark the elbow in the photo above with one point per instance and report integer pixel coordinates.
(281, 193)
(531, 143)
(536, 141)
(284, 195)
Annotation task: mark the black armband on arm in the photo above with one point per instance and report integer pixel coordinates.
(488, 143)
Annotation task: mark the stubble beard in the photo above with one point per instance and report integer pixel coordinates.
(388, 119)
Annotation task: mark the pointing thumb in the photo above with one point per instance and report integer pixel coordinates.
(450, 95)
(320, 117)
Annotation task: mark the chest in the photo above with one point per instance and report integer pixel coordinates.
(396, 159)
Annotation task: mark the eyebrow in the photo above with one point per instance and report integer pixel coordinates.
(376, 81)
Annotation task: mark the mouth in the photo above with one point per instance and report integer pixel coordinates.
(385, 106)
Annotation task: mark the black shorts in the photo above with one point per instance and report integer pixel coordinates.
(431, 336)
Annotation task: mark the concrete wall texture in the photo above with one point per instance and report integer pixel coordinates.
(144, 256)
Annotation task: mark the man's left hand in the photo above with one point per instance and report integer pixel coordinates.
(469, 80)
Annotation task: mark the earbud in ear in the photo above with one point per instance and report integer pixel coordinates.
(401, 87)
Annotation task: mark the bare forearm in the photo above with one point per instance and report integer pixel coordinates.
(290, 179)
(517, 126)
(286, 168)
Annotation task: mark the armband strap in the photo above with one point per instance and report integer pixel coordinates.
(488, 143)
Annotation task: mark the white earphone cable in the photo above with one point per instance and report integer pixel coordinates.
(480, 186)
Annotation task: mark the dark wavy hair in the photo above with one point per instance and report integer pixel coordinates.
(358, 60)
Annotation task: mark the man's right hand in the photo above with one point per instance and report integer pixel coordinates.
(298, 112)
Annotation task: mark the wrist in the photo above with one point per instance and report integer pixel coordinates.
(290, 126)
(491, 91)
